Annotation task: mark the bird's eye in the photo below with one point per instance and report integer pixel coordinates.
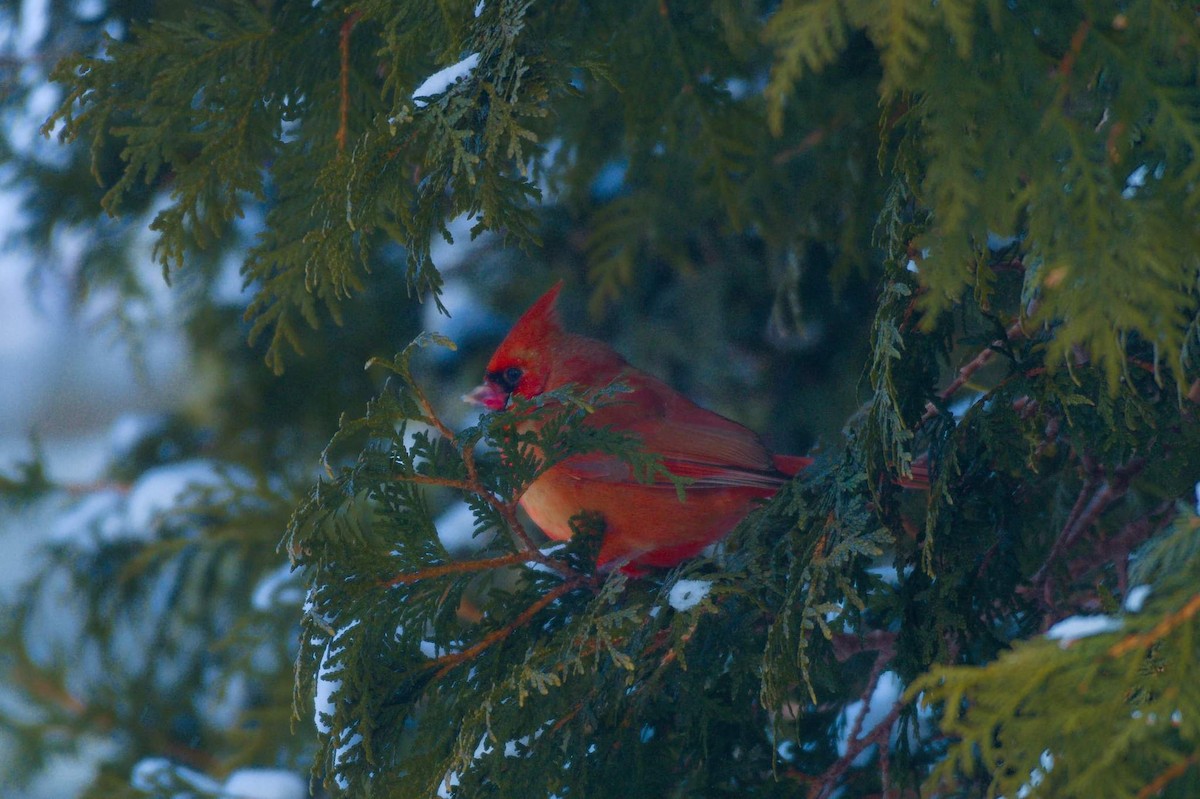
(512, 376)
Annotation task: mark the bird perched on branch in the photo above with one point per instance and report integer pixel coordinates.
(645, 524)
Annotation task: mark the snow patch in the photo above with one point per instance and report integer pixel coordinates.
(159, 490)
(686, 594)
(1136, 598)
(1073, 628)
(277, 588)
(443, 79)
(327, 685)
(160, 777)
(1136, 179)
(456, 530)
(996, 242)
(34, 21)
(265, 783)
(883, 699)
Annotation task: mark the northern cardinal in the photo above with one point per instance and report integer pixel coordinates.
(645, 524)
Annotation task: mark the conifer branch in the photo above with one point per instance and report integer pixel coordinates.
(1089, 505)
(1169, 623)
(1116, 549)
(442, 482)
(344, 79)
(1156, 786)
(847, 645)
(446, 663)
(968, 370)
(458, 567)
(507, 508)
(855, 745)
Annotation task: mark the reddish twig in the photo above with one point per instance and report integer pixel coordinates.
(473, 485)
(827, 783)
(458, 567)
(428, 480)
(1086, 511)
(446, 663)
(1115, 549)
(968, 370)
(80, 489)
(856, 742)
(1067, 65)
(1169, 623)
(344, 106)
(1174, 772)
(847, 645)
(814, 138)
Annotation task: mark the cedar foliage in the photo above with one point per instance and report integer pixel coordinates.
(990, 209)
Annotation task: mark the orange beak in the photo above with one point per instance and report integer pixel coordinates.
(489, 395)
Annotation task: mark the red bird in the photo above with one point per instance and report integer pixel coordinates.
(645, 524)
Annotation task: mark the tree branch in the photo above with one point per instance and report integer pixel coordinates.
(446, 663)
(1083, 515)
(458, 567)
(473, 485)
(1169, 623)
(968, 370)
(344, 75)
(827, 783)
(1156, 786)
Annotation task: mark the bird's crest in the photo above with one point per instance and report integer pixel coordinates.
(541, 321)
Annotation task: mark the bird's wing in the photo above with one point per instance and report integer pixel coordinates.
(705, 447)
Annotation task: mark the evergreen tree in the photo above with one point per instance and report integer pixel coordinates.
(953, 244)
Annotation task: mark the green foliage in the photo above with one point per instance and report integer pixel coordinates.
(1033, 122)
(1107, 715)
(974, 222)
(117, 617)
(568, 670)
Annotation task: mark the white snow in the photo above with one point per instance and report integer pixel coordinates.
(996, 242)
(89, 10)
(883, 699)
(1136, 598)
(34, 21)
(958, 409)
(323, 700)
(350, 740)
(327, 686)
(456, 530)
(431, 650)
(1136, 179)
(443, 79)
(265, 783)
(157, 776)
(129, 428)
(686, 594)
(99, 513)
(277, 587)
(1037, 775)
(1073, 628)
(159, 490)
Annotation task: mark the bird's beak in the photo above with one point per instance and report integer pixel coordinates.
(489, 395)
